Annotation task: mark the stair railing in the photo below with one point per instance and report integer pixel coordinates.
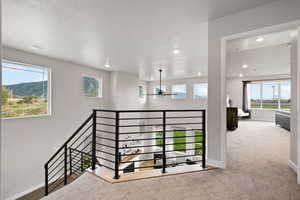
(62, 164)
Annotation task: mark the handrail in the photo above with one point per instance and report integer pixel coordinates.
(70, 138)
(194, 143)
(130, 111)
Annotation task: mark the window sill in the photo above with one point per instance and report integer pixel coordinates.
(27, 117)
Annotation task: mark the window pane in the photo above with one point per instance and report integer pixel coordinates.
(91, 87)
(200, 91)
(285, 95)
(25, 90)
(270, 95)
(179, 91)
(255, 95)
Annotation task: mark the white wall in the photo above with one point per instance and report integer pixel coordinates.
(169, 103)
(125, 91)
(29, 142)
(259, 17)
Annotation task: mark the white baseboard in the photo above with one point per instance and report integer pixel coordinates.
(216, 163)
(16, 196)
(293, 166)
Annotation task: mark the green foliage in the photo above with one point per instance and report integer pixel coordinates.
(179, 142)
(5, 96)
(28, 100)
(198, 140)
(29, 89)
(159, 142)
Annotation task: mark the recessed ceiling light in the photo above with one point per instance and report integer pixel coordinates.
(241, 75)
(199, 74)
(176, 51)
(245, 66)
(107, 65)
(259, 39)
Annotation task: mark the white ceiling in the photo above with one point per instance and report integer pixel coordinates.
(269, 57)
(135, 36)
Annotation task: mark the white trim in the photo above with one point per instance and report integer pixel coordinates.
(293, 166)
(216, 163)
(20, 194)
(49, 91)
(265, 30)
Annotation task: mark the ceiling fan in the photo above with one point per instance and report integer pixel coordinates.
(160, 92)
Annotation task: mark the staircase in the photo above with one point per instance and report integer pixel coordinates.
(124, 141)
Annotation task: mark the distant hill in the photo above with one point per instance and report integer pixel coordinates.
(29, 89)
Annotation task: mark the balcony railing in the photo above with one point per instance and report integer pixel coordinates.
(128, 141)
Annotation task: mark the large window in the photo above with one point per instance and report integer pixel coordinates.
(270, 94)
(179, 91)
(25, 90)
(92, 86)
(200, 91)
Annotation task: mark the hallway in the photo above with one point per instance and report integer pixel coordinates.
(257, 169)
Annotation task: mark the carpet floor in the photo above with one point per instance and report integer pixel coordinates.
(257, 169)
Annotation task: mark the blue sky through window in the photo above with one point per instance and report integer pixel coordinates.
(16, 73)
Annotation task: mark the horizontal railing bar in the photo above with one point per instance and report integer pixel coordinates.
(99, 130)
(140, 118)
(185, 117)
(70, 138)
(136, 161)
(105, 145)
(104, 110)
(106, 152)
(183, 124)
(105, 159)
(56, 167)
(87, 137)
(135, 140)
(81, 151)
(138, 132)
(104, 138)
(152, 166)
(78, 153)
(132, 154)
(81, 135)
(131, 147)
(62, 153)
(106, 124)
(183, 156)
(105, 117)
(131, 111)
(140, 125)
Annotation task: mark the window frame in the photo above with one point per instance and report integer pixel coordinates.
(261, 83)
(49, 91)
(202, 83)
(186, 90)
(100, 89)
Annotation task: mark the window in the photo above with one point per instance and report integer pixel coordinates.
(141, 91)
(92, 87)
(270, 94)
(200, 91)
(25, 90)
(179, 91)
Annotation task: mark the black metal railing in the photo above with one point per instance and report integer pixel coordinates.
(130, 140)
